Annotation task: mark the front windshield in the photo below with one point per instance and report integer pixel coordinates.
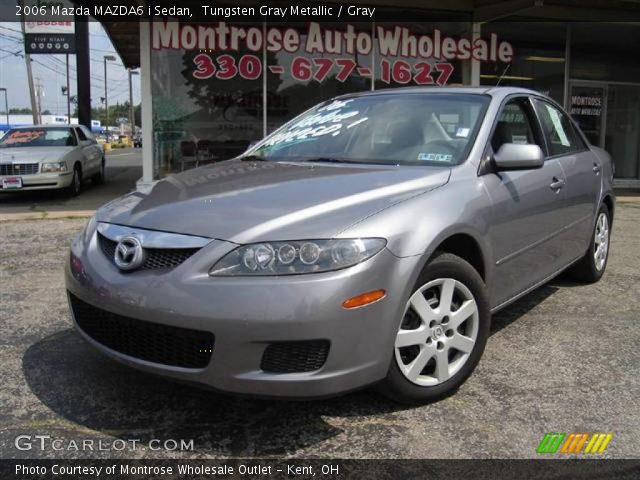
(408, 129)
(38, 137)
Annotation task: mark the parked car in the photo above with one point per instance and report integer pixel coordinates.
(49, 157)
(367, 241)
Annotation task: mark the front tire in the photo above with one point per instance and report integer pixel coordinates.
(74, 189)
(442, 334)
(592, 266)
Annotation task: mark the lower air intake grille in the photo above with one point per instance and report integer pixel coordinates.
(153, 342)
(156, 257)
(295, 357)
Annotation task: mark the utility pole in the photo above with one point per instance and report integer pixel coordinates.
(109, 58)
(132, 121)
(27, 59)
(68, 94)
(6, 103)
(39, 95)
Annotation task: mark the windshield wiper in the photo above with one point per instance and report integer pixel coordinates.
(328, 160)
(253, 158)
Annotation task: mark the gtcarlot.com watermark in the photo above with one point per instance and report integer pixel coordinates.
(48, 443)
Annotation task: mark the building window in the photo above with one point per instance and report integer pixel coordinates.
(210, 81)
(540, 60)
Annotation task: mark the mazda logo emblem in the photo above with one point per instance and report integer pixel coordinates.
(129, 254)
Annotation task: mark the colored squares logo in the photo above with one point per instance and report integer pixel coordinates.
(588, 443)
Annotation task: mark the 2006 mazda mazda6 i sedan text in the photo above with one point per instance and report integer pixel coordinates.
(367, 241)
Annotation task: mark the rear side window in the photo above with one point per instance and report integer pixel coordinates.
(87, 133)
(81, 134)
(562, 139)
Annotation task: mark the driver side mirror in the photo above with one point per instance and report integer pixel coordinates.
(518, 156)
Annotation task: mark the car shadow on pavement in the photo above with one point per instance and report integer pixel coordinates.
(517, 309)
(82, 386)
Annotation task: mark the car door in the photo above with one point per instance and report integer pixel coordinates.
(91, 156)
(582, 170)
(526, 218)
(97, 149)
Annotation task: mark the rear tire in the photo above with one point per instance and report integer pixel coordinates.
(74, 189)
(99, 177)
(592, 266)
(436, 350)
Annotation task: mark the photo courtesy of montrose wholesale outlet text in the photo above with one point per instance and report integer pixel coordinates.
(336, 240)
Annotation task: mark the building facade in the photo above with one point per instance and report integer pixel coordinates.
(210, 89)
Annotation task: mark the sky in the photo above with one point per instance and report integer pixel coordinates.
(51, 70)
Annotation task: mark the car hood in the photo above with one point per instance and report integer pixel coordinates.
(243, 202)
(32, 154)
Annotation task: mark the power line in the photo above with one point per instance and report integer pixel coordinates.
(10, 38)
(10, 29)
(17, 53)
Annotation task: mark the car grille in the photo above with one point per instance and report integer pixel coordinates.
(153, 342)
(156, 257)
(295, 357)
(18, 168)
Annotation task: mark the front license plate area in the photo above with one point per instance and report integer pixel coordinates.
(11, 183)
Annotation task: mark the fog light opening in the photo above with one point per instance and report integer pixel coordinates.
(364, 299)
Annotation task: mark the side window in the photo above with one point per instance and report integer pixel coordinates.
(561, 136)
(81, 136)
(87, 133)
(514, 125)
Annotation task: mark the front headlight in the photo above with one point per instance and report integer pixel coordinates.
(296, 257)
(54, 167)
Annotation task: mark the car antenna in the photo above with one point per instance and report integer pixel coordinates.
(504, 72)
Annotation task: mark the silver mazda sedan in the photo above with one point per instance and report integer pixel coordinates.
(367, 241)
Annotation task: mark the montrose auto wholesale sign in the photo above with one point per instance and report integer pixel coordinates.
(317, 49)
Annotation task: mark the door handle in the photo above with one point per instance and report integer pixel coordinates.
(596, 168)
(557, 184)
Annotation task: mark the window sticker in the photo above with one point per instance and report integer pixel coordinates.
(462, 132)
(557, 124)
(519, 139)
(24, 136)
(435, 157)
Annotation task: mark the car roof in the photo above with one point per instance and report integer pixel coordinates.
(482, 90)
(45, 126)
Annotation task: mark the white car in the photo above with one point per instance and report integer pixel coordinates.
(49, 157)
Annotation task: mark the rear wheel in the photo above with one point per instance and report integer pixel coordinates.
(592, 266)
(99, 177)
(442, 334)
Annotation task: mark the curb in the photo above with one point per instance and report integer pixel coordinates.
(621, 199)
(13, 217)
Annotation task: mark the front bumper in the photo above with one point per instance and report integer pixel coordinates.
(246, 314)
(40, 181)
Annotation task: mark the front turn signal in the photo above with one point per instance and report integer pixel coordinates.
(364, 299)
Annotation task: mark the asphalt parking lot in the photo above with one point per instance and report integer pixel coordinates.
(564, 358)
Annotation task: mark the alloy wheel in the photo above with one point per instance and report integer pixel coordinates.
(438, 332)
(601, 241)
